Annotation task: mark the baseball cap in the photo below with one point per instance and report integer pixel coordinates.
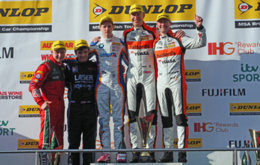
(58, 45)
(163, 15)
(105, 19)
(80, 43)
(136, 8)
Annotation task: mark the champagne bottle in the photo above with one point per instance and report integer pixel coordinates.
(246, 160)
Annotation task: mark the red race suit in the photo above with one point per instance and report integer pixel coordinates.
(48, 84)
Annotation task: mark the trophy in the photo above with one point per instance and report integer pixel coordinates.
(144, 124)
(255, 136)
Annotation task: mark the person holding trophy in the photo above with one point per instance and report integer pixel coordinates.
(171, 86)
(140, 75)
(141, 82)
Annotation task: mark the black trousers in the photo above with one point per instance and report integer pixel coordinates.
(82, 119)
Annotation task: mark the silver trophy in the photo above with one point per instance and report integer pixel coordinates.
(255, 136)
(144, 124)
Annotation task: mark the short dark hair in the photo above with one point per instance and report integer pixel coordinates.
(81, 48)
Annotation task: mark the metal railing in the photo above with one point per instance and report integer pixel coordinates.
(81, 151)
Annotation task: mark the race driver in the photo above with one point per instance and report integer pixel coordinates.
(47, 88)
(140, 75)
(80, 78)
(171, 86)
(110, 87)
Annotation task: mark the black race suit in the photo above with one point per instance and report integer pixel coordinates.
(82, 112)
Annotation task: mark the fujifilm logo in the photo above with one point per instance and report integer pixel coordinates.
(224, 92)
(7, 53)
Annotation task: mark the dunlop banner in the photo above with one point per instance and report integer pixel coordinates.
(25, 16)
(181, 11)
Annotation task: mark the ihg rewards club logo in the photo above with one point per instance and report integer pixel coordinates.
(247, 13)
(181, 11)
(25, 16)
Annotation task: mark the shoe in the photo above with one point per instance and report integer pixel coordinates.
(182, 157)
(135, 157)
(167, 157)
(70, 159)
(104, 158)
(152, 157)
(121, 157)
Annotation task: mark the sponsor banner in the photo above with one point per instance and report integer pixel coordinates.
(25, 29)
(192, 143)
(248, 73)
(247, 24)
(233, 48)
(25, 77)
(29, 111)
(209, 127)
(29, 13)
(193, 109)
(120, 27)
(240, 144)
(68, 56)
(46, 46)
(244, 108)
(5, 130)
(11, 95)
(222, 92)
(245, 11)
(25, 144)
(7, 53)
(193, 75)
(181, 11)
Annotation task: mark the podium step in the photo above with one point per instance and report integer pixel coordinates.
(174, 163)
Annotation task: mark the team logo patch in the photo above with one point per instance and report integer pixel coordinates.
(101, 46)
(36, 93)
(38, 76)
(74, 69)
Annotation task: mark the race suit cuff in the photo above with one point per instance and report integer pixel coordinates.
(40, 102)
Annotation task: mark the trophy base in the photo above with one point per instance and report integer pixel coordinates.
(146, 157)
